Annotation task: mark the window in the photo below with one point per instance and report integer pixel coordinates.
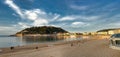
(115, 36)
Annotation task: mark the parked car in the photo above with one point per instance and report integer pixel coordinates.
(115, 40)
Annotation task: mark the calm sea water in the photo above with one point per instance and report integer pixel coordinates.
(19, 41)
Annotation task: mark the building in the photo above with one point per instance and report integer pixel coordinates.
(108, 31)
(93, 33)
(86, 33)
(114, 31)
(102, 33)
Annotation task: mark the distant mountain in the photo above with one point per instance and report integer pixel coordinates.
(4, 35)
(42, 30)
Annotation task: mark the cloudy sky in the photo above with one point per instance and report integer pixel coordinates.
(71, 15)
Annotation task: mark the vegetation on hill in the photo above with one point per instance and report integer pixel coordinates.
(43, 30)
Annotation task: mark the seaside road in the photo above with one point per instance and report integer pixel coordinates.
(91, 48)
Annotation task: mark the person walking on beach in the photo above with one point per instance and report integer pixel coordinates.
(36, 47)
(11, 48)
(71, 44)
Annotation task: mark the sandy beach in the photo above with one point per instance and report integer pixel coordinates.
(86, 48)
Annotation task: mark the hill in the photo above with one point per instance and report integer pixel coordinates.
(43, 30)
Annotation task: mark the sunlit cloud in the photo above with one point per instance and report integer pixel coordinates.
(79, 24)
(40, 22)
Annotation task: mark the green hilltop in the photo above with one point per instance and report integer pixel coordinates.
(43, 30)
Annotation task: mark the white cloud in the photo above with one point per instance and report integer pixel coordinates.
(37, 16)
(31, 15)
(76, 7)
(14, 14)
(115, 24)
(67, 18)
(3, 28)
(23, 25)
(40, 22)
(7, 30)
(80, 24)
(56, 16)
(14, 7)
(90, 18)
(79, 17)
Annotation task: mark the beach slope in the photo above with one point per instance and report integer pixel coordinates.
(89, 48)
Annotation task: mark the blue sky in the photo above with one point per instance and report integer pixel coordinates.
(71, 15)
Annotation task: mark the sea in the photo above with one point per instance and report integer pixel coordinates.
(8, 41)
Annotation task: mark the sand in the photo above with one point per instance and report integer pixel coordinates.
(86, 48)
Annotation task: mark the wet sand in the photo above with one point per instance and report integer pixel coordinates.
(86, 48)
(33, 46)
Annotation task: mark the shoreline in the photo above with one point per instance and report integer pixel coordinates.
(85, 48)
(43, 45)
(36, 46)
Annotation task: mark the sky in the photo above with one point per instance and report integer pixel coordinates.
(71, 15)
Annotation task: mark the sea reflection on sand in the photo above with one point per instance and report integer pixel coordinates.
(38, 39)
(19, 41)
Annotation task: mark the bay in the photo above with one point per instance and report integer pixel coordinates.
(7, 41)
